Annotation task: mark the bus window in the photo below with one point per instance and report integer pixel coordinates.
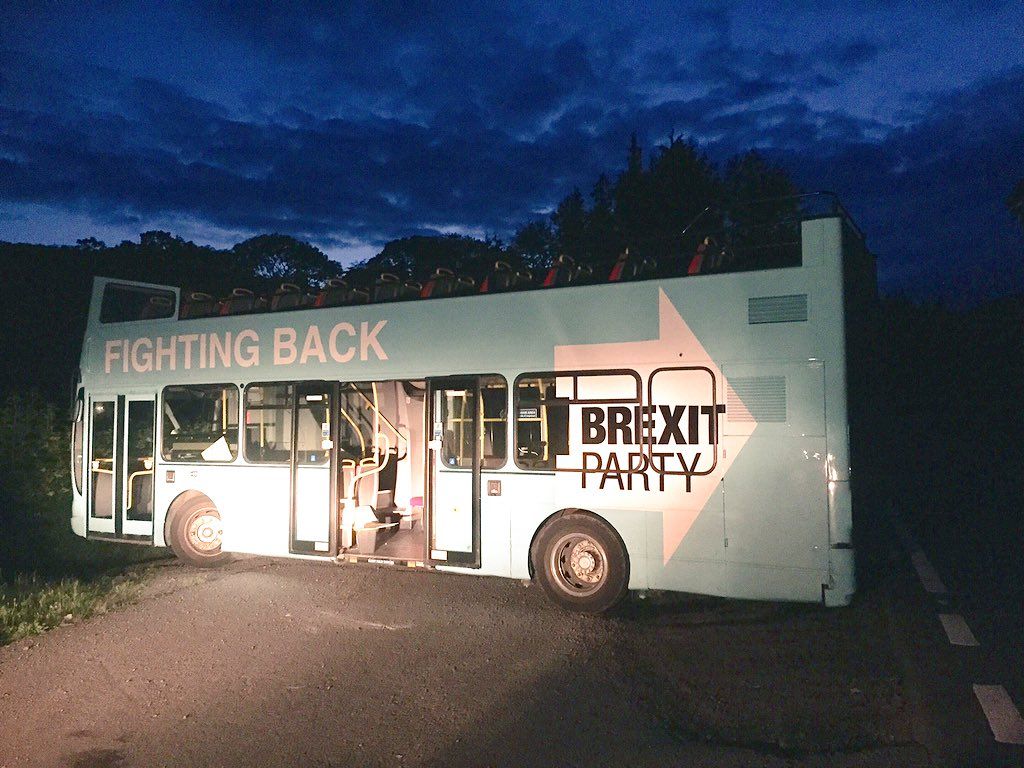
(200, 423)
(494, 421)
(132, 302)
(102, 459)
(542, 422)
(268, 423)
(457, 447)
(314, 426)
(355, 426)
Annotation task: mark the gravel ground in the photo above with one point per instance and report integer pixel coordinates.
(269, 662)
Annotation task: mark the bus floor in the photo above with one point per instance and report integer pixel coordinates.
(404, 545)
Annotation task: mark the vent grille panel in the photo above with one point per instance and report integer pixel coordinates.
(777, 309)
(757, 398)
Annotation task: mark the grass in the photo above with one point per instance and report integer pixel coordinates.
(48, 575)
(31, 605)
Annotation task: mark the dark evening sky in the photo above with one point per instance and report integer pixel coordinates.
(349, 124)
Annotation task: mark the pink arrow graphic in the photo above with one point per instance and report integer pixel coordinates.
(676, 345)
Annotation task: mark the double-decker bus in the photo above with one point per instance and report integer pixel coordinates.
(667, 428)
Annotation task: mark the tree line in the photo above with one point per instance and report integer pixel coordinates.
(658, 210)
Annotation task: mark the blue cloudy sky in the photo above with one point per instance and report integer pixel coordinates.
(349, 124)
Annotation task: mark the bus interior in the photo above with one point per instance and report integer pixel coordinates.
(381, 466)
(388, 464)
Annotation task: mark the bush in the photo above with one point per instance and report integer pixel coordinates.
(35, 499)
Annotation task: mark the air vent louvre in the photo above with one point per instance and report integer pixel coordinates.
(777, 309)
(757, 398)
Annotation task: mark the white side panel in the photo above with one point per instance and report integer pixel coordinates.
(78, 514)
(495, 516)
(776, 502)
(452, 515)
(312, 504)
(253, 503)
(532, 498)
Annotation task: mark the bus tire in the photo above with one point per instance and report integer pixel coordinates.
(194, 532)
(581, 563)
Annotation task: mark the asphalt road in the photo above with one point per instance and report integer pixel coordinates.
(293, 663)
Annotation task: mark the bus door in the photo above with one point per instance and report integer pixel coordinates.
(121, 459)
(312, 469)
(454, 471)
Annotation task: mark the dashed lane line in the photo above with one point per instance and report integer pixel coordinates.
(957, 630)
(1003, 718)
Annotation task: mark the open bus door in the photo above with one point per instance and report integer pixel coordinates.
(453, 471)
(121, 445)
(313, 468)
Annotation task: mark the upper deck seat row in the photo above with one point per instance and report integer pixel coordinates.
(444, 282)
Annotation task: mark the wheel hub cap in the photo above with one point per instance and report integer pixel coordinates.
(205, 532)
(578, 564)
(585, 562)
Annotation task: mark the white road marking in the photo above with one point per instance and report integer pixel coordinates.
(1003, 718)
(957, 630)
(332, 617)
(929, 577)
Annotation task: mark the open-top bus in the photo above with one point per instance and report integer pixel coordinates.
(684, 432)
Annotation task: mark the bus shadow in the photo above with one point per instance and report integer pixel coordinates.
(668, 609)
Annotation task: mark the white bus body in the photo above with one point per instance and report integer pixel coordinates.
(697, 426)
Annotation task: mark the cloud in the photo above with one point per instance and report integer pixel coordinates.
(351, 124)
(932, 195)
(853, 54)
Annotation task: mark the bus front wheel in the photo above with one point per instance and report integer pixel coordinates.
(194, 532)
(581, 563)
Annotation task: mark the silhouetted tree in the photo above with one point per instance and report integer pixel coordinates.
(753, 183)
(632, 198)
(602, 238)
(762, 211)
(418, 256)
(281, 257)
(683, 184)
(648, 211)
(569, 221)
(535, 244)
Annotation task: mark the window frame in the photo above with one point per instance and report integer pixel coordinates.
(200, 460)
(504, 459)
(243, 404)
(575, 373)
(553, 375)
(148, 291)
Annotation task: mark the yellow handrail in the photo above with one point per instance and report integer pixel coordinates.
(131, 478)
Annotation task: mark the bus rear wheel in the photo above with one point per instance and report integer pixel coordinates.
(194, 532)
(581, 563)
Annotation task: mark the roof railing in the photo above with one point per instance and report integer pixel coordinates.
(810, 205)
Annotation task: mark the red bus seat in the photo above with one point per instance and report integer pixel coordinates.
(334, 294)
(157, 307)
(199, 304)
(439, 284)
(287, 296)
(240, 301)
(562, 272)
